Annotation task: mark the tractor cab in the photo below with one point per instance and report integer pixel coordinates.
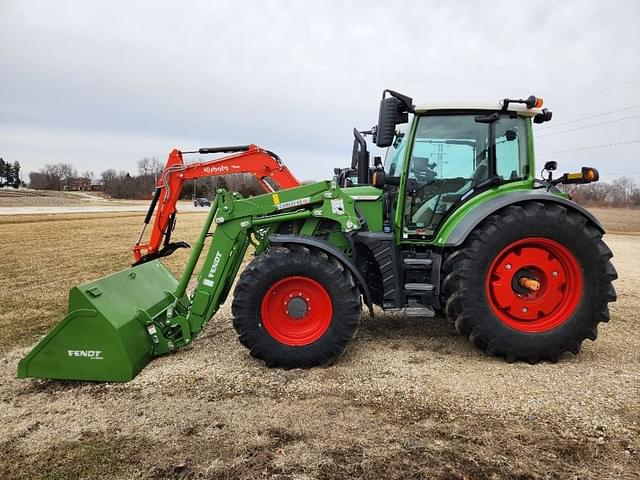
(450, 153)
(454, 155)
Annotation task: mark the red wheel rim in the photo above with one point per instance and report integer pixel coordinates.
(296, 311)
(545, 261)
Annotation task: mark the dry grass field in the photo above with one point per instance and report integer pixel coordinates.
(410, 399)
(10, 197)
(619, 220)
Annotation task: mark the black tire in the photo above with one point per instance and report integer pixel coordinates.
(278, 263)
(467, 301)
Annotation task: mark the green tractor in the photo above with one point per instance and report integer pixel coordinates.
(454, 222)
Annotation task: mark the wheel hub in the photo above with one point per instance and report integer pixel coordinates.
(296, 310)
(297, 307)
(530, 284)
(526, 281)
(534, 284)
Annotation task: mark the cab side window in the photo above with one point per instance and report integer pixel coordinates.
(511, 148)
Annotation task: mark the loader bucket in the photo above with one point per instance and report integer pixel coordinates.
(104, 337)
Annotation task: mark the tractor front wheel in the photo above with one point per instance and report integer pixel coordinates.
(530, 283)
(296, 307)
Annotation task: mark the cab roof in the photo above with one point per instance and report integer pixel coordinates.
(518, 108)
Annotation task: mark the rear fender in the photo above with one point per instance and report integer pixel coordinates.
(471, 220)
(328, 248)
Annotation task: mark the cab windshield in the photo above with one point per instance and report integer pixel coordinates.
(452, 155)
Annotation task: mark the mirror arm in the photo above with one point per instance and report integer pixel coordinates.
(404, 99)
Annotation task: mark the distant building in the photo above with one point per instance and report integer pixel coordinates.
(97, 187)
(79, 184)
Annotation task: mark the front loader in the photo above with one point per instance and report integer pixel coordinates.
(455, 222)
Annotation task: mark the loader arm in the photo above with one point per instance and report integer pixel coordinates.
(263, 164)
(238, 223)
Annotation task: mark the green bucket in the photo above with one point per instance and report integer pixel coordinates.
(104, 337)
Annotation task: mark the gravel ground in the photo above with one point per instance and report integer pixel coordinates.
(410, 399)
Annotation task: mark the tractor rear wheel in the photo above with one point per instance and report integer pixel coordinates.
(531, 282)
(296, 307)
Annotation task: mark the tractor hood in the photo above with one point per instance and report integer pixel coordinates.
(368, 203)
(363, 193)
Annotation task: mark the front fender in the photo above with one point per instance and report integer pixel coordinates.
(278, 239)
(471, 220)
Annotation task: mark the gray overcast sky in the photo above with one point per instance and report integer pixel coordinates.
(102, 84)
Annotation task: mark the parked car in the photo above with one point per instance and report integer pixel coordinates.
(202, 202)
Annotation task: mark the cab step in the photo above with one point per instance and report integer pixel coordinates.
(419, 312)
(417, 262)
(418, 287)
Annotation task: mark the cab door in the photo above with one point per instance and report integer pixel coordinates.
(454, 156)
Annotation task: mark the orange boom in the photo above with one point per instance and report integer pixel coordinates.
(266, 166)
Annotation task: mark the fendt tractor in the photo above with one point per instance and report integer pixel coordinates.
(452, 221)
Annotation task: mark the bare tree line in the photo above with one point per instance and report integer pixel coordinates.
(124, 185)
(620, 192)
(57, 176)
(243, 183)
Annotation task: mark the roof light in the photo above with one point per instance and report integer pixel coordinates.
(531, 102)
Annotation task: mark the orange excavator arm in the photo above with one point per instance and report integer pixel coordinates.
(266, 166)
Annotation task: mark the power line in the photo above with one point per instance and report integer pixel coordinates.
(591, 147)
(589, 117)
(588, 96)
(615, 120)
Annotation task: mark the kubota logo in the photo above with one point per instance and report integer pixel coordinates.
(92, 354)
(220, 169)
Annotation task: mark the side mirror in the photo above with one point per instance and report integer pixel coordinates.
(545, 116)
(551, 166)
(387, 121)
(380, 179)
(393, 111)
